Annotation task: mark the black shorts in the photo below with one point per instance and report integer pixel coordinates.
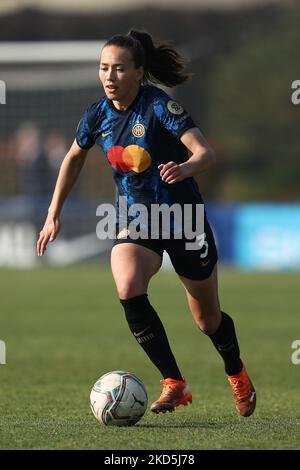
(195, 264)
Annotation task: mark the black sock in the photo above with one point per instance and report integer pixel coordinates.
(226, 343)
(149, 332)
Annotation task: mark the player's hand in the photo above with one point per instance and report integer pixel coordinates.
(48, 233)
(171, 172)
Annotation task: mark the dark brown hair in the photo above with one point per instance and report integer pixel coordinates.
(161, 62)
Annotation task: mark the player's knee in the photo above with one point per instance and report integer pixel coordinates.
(129, 289)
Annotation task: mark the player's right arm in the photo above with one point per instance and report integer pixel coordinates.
(68, 174)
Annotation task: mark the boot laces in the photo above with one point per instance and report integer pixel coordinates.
(168, 389)
(240, 388)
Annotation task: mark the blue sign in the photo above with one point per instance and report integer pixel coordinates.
(221, 219)
(267, 236)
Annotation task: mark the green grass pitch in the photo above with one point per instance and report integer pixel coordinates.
(63, 328)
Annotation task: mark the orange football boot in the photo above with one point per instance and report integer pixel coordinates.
(244, 392)
(175, 393)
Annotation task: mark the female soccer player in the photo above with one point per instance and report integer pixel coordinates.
(154, 149)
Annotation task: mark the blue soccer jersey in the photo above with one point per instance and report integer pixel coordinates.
(139, 139)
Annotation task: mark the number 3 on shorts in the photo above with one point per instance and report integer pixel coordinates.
(202, 243)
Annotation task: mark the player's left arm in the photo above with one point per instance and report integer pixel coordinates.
(201, 158)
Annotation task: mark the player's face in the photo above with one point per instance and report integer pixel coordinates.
(118, 74)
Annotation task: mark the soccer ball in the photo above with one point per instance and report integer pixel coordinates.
(118, 398)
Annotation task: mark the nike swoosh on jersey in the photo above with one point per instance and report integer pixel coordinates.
(104, 134)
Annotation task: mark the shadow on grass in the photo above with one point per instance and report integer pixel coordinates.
(182, 425)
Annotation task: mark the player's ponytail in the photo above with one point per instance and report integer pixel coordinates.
(161, 62)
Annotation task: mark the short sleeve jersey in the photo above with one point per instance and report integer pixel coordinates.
(139, 139)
